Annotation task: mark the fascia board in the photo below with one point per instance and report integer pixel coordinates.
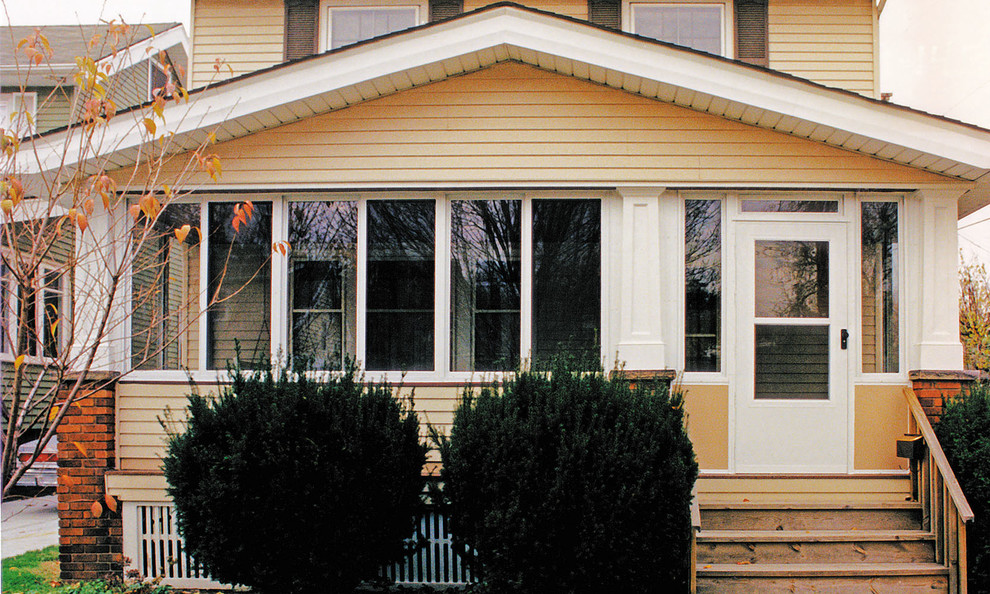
(146, 48)
(506, 26)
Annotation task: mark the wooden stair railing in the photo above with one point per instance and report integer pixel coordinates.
(944, 507)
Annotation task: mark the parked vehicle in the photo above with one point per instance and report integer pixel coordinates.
(44, 471)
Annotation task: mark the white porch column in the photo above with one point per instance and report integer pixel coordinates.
(99, 251)
(939, 346)
(640, 345)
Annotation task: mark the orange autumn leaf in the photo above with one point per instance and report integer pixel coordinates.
(82, 221)
(18, 362)
(81, 448)
(96, 509)
(111, 502)
(182, 232)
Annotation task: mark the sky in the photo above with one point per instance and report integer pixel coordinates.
(934, 56)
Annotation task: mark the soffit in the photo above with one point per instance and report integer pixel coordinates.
(667, 73)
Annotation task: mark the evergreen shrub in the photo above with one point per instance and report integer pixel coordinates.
(964, 432)
(571, 482)
(289, 485)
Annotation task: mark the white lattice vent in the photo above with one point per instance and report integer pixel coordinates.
(153, 544)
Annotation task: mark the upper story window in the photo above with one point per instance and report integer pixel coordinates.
(18, 112)
(699, 26)
(344, 25)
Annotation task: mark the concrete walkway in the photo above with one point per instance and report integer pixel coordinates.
(28, 525)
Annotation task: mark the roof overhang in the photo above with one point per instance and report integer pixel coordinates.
(506, 32)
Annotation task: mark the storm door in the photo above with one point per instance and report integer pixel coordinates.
(792, 357)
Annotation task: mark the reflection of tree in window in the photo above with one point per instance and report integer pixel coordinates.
(485, 284)
(240, 286)
(879, 287)
(567, 281)
(165, 291)
(792, 279)
(399, 322)
(703, 284)
(322, 278)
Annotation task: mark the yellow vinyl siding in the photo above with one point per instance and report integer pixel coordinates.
(881, 418)
(246, 36)
(141, 439)
(572, 8)
(513, 123)
(54, 107)
(828, 41)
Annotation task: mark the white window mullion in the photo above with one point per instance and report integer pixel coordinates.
(279, 282)
(361, 269)
(204, 280)
(526, 283)
(441, 288)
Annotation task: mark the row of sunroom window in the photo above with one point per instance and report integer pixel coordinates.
(517, 278)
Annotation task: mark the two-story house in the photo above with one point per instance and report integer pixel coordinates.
(36, 99)
(711, 188)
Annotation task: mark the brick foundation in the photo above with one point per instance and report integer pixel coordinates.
(934, 387)
(89, 531)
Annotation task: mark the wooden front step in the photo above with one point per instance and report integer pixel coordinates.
(832, 578)
(820, 546)
(758, 516)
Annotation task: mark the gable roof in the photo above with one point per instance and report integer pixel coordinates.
(509, 32)
(69, 41)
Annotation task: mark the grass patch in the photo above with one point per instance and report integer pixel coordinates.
(31, 573)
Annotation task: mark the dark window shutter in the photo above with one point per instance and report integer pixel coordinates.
(606, 13)
(301, 25)
(751, 32)
(444, 9)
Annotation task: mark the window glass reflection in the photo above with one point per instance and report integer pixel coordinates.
(485, 284)
(323, 282)
(792, 279)
(240, 287)
(703, 284)
(879, 282)
(399, 322)
(165, 292)
(567, 281)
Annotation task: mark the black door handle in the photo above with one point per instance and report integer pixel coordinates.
(844, 339)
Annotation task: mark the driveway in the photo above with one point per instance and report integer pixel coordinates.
(28, 525)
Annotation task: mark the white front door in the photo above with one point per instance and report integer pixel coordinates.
(791, 396)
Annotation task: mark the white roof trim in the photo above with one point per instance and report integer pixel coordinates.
(146, 48)
(477, 40)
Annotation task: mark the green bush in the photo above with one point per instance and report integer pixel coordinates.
(290, 486)
(964, 432)
(571, 482)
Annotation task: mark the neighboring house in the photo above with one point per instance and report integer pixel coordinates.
(710, 188)
(45, 97)
(48, 93)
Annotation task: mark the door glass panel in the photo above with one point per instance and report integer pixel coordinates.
(791, 362)
(791, 279)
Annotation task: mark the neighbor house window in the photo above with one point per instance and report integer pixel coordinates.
(697, 26)
(239, 286)
(350, 24)
(702, 285)
(323, 282)
(400, 285)
(165, 291)
(485, 284)
(158, 77)
(45, 300)
(18, 112)
(880, 261)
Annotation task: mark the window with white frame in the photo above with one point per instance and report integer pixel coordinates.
(158, 77)
(344, 25)
(699, 26)
(43, 302)
(428, 284)
(18, 112)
